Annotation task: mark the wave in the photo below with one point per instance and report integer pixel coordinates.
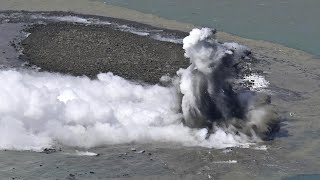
(47, 18)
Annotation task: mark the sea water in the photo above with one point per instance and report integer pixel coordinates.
(292, 23)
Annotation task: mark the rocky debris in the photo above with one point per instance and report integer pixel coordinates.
(140, 152)
(123, 155)
(227, 150)
(71, 177)
(49, 150)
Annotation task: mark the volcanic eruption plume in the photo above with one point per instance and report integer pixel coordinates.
(210, 88)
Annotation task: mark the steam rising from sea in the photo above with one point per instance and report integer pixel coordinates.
(39, 109)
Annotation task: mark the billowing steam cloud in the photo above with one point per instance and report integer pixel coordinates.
(39, 110)
(208, 88)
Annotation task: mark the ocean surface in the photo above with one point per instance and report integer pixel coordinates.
(292, 23)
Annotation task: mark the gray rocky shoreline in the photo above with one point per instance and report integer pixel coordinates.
(88, 50)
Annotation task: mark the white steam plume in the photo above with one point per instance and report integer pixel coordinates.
(39, 110)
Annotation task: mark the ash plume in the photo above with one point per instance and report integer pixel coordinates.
(211, 93)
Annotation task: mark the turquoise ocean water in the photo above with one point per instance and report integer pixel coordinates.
(294, 23)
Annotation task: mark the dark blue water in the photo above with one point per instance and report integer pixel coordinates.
(294, 23)
(304, 177)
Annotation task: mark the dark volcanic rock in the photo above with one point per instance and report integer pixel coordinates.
(49, 150)
(88, 50)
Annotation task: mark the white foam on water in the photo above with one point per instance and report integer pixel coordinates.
(75, 19)
(39, 110)
(85, 153)
(71, 19)
(132, 30)
(226, 162)
(167, 39)
(139, 33)
(94, 21)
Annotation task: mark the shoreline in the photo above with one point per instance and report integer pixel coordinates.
(98, 8)
(67, 48)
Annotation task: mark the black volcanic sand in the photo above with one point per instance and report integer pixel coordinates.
(88, 50)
